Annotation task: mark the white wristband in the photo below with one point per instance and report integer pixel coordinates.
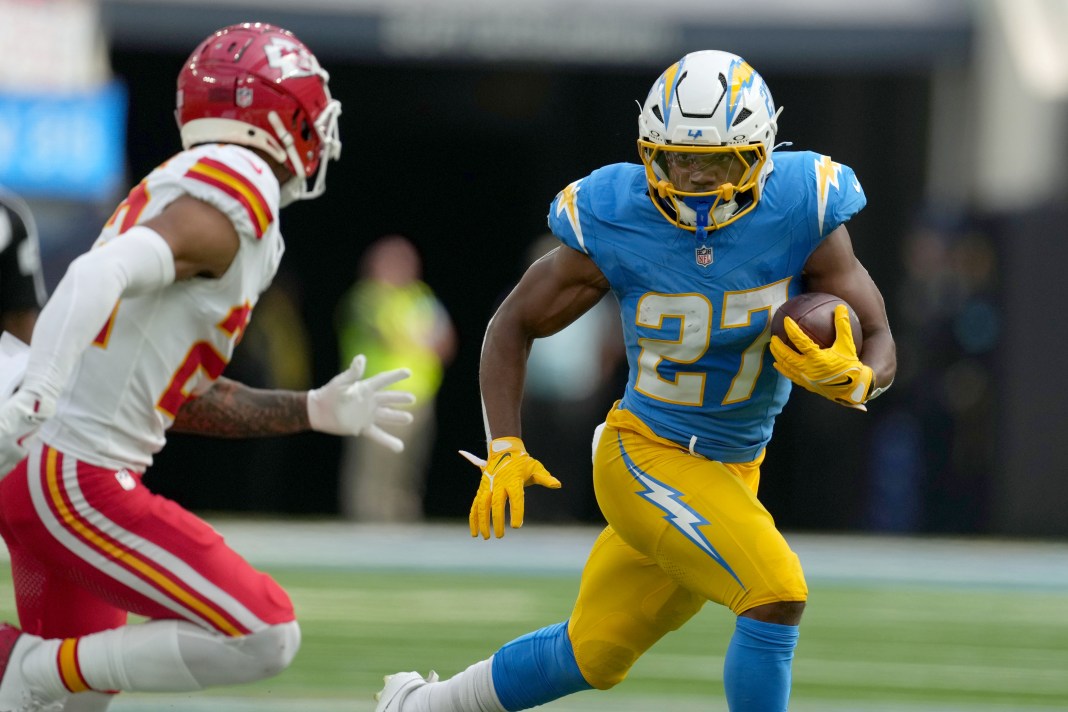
(876, 392)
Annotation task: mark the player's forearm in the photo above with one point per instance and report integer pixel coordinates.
(233, 410)
(502, 371)
(880, 353)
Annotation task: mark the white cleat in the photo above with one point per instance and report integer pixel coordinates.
(15, 695)
(399, 686)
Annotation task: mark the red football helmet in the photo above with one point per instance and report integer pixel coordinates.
(258, 85)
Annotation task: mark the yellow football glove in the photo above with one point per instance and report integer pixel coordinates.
(509, 470)
(835, 372)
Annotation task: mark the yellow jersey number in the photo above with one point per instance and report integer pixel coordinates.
(694, 337)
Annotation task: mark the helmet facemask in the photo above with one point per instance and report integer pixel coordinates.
(702, 187)
(309, 178)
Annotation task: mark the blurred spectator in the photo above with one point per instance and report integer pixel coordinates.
(573, 377)
(22, 291)
(391, 316)
(933, 445)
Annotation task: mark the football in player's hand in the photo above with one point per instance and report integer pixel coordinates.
(814, 313)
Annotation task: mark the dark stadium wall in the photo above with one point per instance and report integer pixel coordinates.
(465, 160)
(1029, 489)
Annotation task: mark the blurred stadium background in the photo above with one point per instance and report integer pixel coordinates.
(461, 121)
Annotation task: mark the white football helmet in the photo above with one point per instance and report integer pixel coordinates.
(706, 133)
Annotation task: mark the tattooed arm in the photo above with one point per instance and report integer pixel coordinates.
(233, 410)
(346, 405)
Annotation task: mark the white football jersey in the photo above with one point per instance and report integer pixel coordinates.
(158, 349)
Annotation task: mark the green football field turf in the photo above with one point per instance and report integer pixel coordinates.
(867, 646)
(912, 645)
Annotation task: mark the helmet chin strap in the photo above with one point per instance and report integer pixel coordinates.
(701, 207)
(291, 191)
(695, 210)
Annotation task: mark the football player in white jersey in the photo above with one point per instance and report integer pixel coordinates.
(134, 342)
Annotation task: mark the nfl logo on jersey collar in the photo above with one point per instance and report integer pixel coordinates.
(704, 255)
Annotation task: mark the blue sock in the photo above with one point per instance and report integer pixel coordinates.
(537, 668)
(756, 672)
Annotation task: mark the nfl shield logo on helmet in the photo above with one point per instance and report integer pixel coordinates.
(704, 255)
(243, 97)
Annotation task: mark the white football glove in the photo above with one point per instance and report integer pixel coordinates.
(348, 406)
(20, 417)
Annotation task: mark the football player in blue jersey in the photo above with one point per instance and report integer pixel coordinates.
(700, 244)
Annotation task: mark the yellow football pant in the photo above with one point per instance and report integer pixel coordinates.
(682, 530)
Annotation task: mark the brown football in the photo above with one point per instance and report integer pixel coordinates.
(814, 313)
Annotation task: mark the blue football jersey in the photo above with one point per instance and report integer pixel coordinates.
(696, 314)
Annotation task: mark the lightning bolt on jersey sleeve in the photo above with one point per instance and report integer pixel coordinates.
(605, 215)
(837, 192)
(565, 217)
